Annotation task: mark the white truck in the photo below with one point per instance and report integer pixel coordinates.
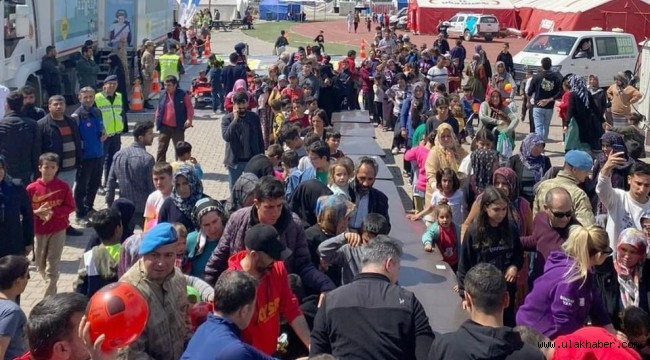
(32, 25)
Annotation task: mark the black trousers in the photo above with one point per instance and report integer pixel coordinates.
(111, 146)
(89, 177)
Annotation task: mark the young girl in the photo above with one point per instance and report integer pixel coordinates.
(419, 155)
(339, 177)
(493, 238)
(437, 91)
(459, 114)
(378, 91)
(446, 234)
(448, 190)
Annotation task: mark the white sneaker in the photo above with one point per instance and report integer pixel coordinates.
(395, 151)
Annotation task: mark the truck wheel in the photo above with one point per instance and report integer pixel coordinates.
(489, 38)
(467, 36)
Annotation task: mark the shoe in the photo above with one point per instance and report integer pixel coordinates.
(214, 115)
(70, 231)
(83, 222)
(395, 151)
(101, 191)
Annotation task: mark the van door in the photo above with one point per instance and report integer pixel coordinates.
(581, 60)
(458, 26)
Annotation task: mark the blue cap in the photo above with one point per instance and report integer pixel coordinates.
(160, 235)
(579, 160)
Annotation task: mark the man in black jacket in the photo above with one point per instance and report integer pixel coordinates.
(363, 195)
(394, 324)
(20, 141)
(484, 336)
(232, 72)
(51, 69)
(544, 89)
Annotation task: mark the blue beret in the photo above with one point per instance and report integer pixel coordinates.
(160, 235)
(110, 78)
(579, 160)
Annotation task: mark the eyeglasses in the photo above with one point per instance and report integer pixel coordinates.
(560, 214)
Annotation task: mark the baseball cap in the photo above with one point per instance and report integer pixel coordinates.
(579, 160)
(282, 77)
(265, 238)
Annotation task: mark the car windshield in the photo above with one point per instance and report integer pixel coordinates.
(488, 20)
(551, 44)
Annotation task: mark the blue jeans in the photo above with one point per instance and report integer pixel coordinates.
(68, 177)
(542, 118)
(234, 172)
(217, 100)
(111, 146)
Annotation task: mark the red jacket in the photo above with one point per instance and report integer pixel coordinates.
(588, 343)
(58, 196)
(274, 297)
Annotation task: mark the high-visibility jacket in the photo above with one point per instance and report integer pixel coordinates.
(169, 66)
(111, 113)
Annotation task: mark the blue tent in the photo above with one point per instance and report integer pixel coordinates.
(277, 9)
(402, 4)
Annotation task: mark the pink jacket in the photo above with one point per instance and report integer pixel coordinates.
(419, 154)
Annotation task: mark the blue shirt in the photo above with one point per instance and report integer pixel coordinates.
(219, 339)
(91, 128)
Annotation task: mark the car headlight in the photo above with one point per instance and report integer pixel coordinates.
(556, 68)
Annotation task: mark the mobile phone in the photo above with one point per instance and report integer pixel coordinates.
(617, 148)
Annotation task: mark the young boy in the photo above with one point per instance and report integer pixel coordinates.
(278, 120)
(333, 140)
(319, 154)
(291, 172)
(292, 141)
(312, 105)
(298, 115)
(162, 181)
(98, 266)
(52, 203)
(346, 250)
(293, 91)
(184, 156)
(471, 110)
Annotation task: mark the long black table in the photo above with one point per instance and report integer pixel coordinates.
(384, 172)
(352, 116)
(360, 146)
(366, 130)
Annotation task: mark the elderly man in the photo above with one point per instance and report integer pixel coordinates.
(363, 195)
(164, 287)
(551, 228)
(395, 325)
(577, 165)
(173, 116)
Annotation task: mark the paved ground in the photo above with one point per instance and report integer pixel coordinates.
(205, 136)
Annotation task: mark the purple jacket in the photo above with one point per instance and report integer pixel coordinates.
(292, 235)
(556, 307)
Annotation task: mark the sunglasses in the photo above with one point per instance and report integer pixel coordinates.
(607, 251)
(560, 214)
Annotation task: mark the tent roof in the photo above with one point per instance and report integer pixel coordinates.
(567, 6)
(466, 4)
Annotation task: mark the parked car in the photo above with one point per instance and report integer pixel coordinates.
(394, 18)
(469, 26)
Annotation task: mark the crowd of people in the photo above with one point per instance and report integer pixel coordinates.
(299, 261)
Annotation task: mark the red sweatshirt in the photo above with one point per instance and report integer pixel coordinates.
(58, 196)
(589, 343)
(274, 297)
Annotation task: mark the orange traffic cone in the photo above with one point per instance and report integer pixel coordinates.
(195, 60)
(208, 50)
(155, 84)
(136, 98)
(362, 53)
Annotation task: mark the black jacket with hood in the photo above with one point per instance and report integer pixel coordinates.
(475, 341)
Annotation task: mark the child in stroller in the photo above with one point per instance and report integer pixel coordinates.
(201, 91)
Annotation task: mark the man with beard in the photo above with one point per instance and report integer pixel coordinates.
(262, 258)
(364, 196)
(242, 132)
(20, 141)
(173, 116)
(30, 110)
(550, 230)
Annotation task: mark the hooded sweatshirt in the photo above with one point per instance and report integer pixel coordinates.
(594, 336)
(58, 196)
(546, 85)
(475, 341)
(274, 298)
(556, 307)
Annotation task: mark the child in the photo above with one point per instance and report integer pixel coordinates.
(307, 91)
(378, 100)
(419, 154)
(437, 90)
(320, 40)
(298, 115)
(348, 248)
(291, 173)
(448, 189)
(291, 139)
(162, 181)
(493, 238)
(563, 106)
(459, 114)
(333, 140)
(201, 80)
(278, 120)
(471, 106)
(98, 266)
(182, 259)
(312, 106)
(184, 156)
(52, 203)
(525, 100)
(293, 91)
(445, 234)
(339, 178)
(319, 154)
(636, 326)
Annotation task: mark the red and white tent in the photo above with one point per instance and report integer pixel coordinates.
(536, 16)
(424, 15)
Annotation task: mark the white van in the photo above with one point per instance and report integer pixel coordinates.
(601, 53)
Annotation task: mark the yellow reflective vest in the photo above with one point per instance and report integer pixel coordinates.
(111, 113)
(169, 66)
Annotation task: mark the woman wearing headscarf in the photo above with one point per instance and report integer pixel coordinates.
(241, 191)
(622, 95)
(211, 218)
(498, 117)
(500, 79)
(179, 206)
(409, 119)
(240, 86)
(608, 141)
(478, 79)
(446, 153)
(16, 216)
(585, 126)
(530, 165)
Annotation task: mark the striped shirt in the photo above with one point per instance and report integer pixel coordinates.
(69, 155)
(132, 168)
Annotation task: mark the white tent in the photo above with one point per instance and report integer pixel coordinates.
(227, 8)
